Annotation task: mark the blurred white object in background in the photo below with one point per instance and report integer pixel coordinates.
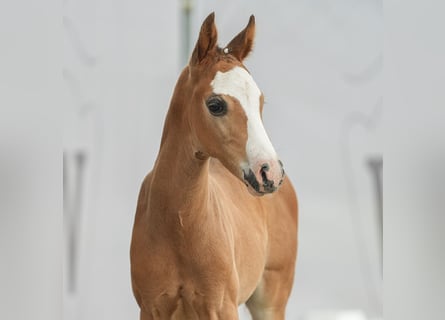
(336, 315)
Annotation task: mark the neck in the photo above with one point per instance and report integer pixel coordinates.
(179, 186)
(179, 189)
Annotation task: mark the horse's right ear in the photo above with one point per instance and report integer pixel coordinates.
(208, 37)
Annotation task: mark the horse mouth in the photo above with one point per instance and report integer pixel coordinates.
(256, 188)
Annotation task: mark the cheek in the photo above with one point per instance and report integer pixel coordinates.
(235, 136)
(211, 132)
(201, 125)
(222, 137)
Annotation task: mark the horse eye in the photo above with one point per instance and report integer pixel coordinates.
(217, 106)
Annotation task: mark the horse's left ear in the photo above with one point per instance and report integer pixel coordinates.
(242, 44)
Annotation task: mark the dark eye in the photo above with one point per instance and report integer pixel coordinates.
(217, 106)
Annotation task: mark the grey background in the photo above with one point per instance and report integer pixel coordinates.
(319, 64)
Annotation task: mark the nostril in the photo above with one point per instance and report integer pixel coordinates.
(264, 168)
(267, 184)
(283, 173)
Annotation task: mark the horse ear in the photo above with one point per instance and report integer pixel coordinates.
(206, 41)
(242, 44)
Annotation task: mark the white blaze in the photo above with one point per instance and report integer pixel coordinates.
(239, 84)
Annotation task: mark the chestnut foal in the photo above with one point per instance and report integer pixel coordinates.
(202, 242)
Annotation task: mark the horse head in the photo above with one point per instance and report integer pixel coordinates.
(225, 109)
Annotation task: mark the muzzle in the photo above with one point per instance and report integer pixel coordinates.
(264, 177)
